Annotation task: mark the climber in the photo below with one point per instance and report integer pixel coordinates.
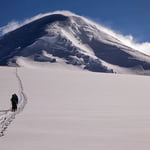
(14, 101)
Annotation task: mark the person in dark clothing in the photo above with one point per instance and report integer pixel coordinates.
(14, 101)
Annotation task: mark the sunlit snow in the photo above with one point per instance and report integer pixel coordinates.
(76, 110)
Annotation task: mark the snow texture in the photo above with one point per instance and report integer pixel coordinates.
(77, 110)
(7, 116)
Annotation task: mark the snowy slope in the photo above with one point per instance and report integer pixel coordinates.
(6, 115)
(77, 110)
(74, 40)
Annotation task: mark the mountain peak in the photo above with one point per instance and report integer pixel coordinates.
(75, 40)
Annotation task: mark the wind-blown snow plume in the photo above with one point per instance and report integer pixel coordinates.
(13, 25)
(128, 40)
(9, 27)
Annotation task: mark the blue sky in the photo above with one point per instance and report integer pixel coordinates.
(127, 16)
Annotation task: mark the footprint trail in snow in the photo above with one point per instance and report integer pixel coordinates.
(7, 116)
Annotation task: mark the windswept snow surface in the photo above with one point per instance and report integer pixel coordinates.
(76, 110)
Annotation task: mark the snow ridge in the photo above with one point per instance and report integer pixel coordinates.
(8, 116)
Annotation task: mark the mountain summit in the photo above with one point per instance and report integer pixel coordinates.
(72, 40)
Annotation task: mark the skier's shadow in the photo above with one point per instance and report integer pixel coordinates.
(5, 110)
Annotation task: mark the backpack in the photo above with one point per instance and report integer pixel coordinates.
(14, 98)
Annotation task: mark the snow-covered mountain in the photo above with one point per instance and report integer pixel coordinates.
(67, 39)
(72, 110)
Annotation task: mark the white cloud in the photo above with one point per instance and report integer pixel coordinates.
(9, 27)
(128, 40)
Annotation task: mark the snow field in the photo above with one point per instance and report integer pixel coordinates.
(78, 110)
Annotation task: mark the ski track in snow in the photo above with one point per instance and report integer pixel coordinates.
(8, 116)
